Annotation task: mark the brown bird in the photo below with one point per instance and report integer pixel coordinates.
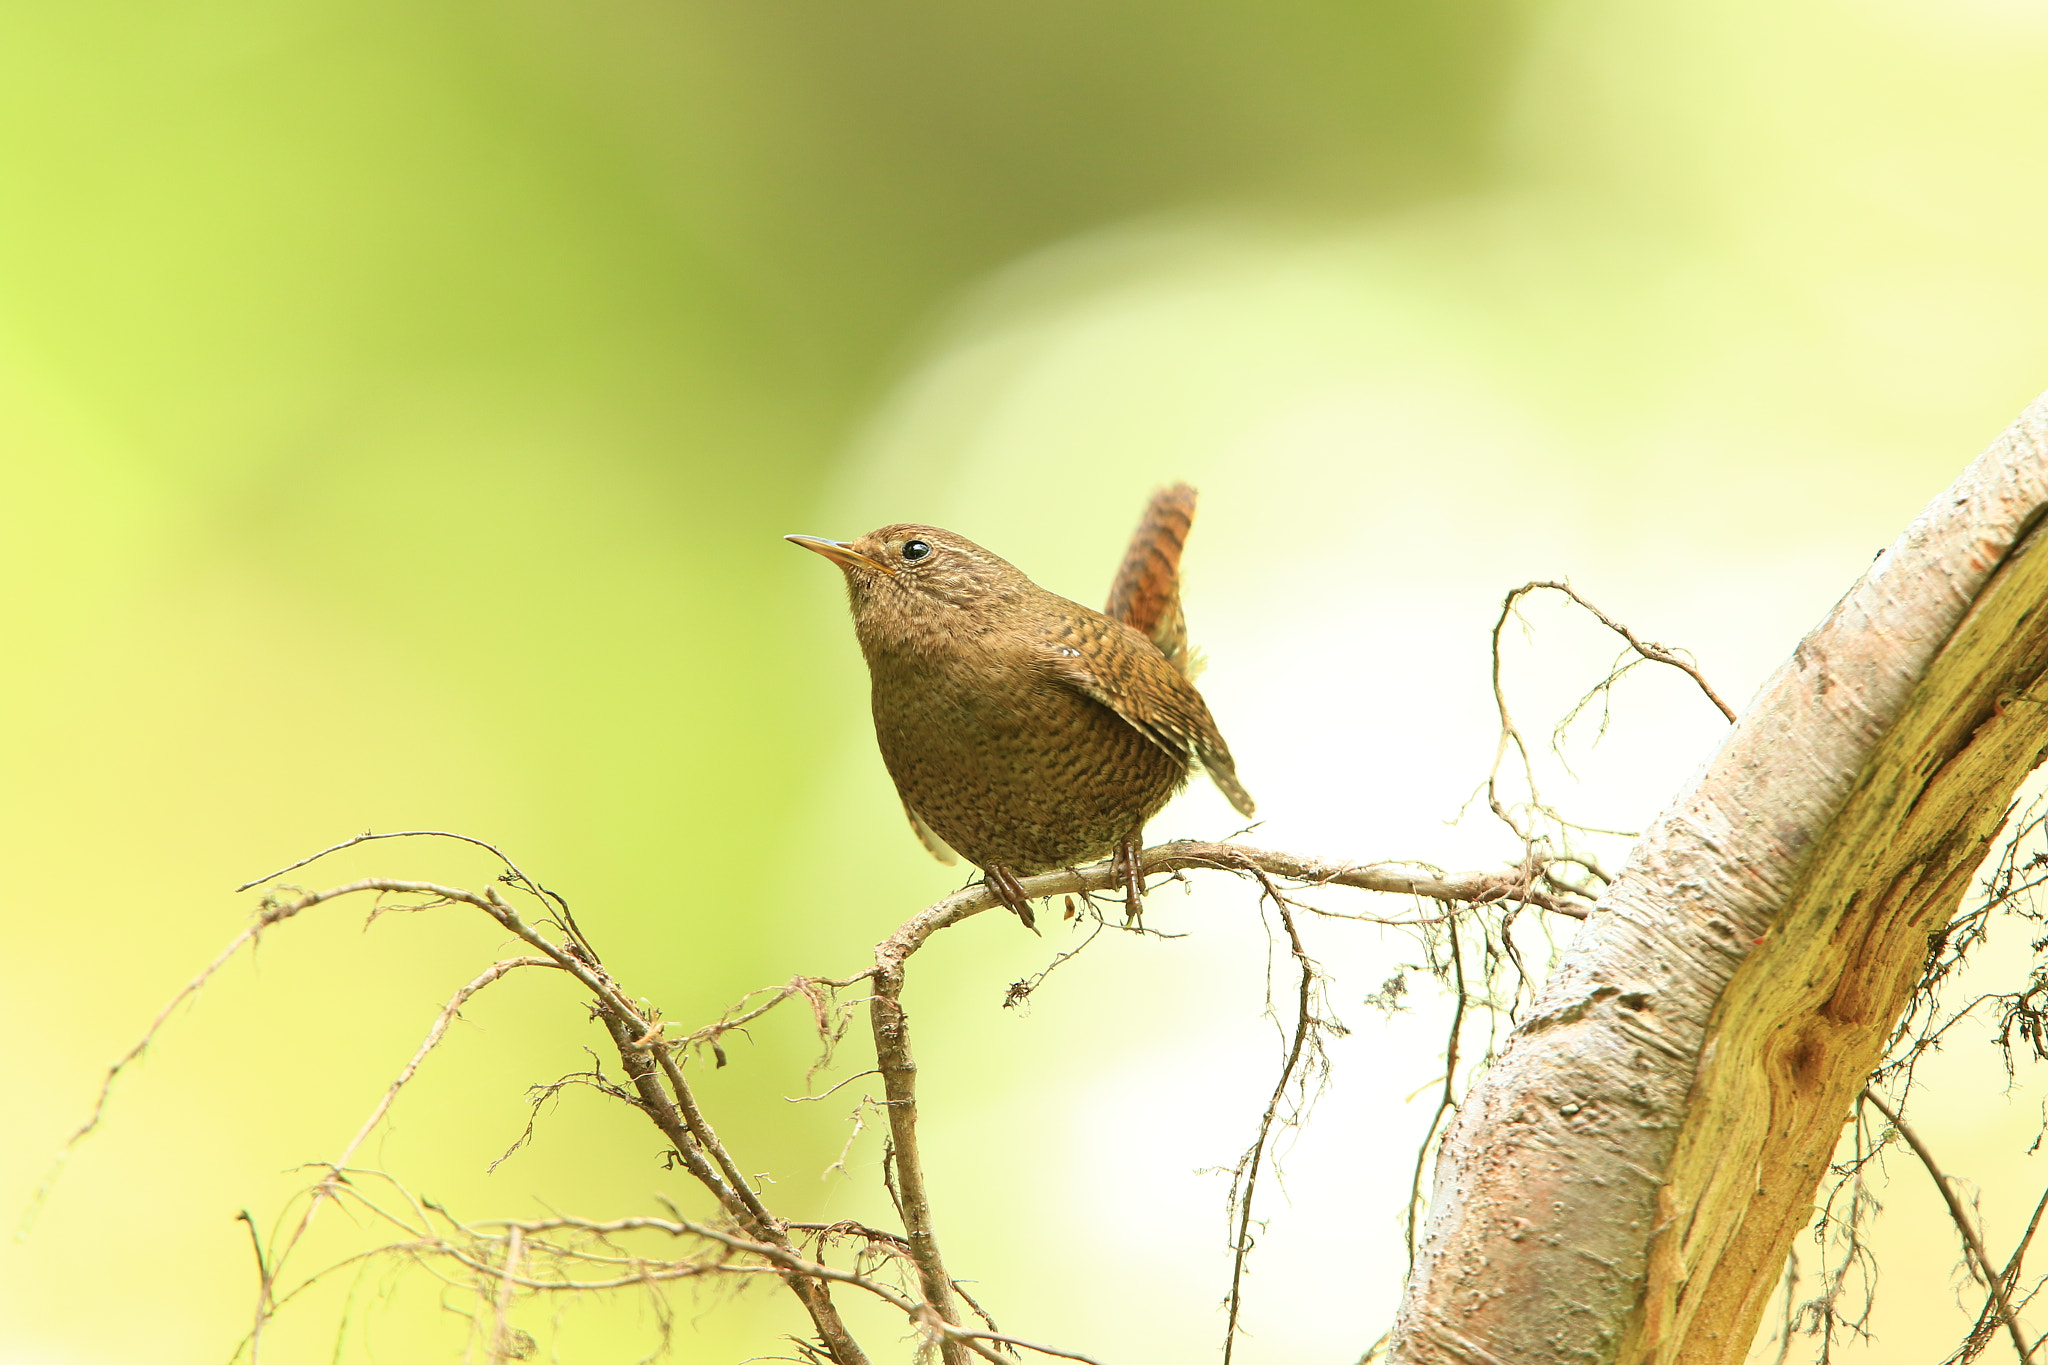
(1024, 731)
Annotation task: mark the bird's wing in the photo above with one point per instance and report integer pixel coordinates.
(1113, 664)
(933, 844)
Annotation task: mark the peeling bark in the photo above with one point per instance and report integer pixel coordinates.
(1625, 1182)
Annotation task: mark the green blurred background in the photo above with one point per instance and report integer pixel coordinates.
(401, 405)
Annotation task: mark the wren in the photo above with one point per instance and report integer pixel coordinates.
(1025, 732)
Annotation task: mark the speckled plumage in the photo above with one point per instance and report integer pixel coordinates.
(1023, 730)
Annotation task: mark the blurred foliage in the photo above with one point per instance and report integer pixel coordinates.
(400, 404)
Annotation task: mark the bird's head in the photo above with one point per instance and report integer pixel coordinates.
(920, 569)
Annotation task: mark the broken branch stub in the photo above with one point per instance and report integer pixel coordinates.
(1625, 1182)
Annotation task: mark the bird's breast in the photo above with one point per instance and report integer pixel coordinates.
(963, 681)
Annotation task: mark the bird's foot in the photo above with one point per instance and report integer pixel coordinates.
(1125, 863)
(1002, 884)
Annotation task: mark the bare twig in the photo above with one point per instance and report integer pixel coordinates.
(127, 1059)
(1845, 1255)
(890, 1025)
(1511, 736)
(1972, 1243)
(1649, 649)
(534, 1240)
(368, 836)
(324, 1190)
(648, 1063)
(814, 989)
(1988, 1321)
(1448, 1100)
(1043, 1350)
(827, 1094)
(539, 1095)
(1245, 1185)
(722, 1178)
(264, 1306)
(1790, 1320)
(504, 1344)
(449, 1013)
(899, 1085)
(513, 875)
(786, 1258)
(846, 1227)
(1020, 991)
(1395, 878)
(655, 1083)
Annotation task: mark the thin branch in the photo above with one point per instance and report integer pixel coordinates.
(738, 1016)
(1020, 991)
(504, 1344)
(729, 1190)
(827, 1094)
(1987, 1318)
(1448, 1100)
(539, 1095)
(966, 1335)
(656, 1083)
(449, 1013)
(263, 1276)
(891, 1028)
(1972, 1243)
(1304, 1028)
(513, 875)
(323, 1191)
(846, 1227)
(1649, 649)
(636, 1035)
(530, 1235)
(782, 1256)
(1395, 878)
(127, 1059)
(1511, 736)
(368, 836)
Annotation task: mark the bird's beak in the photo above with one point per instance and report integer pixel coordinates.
(839, 552)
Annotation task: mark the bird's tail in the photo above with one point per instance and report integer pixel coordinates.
(1222, 770)
(1146, 594)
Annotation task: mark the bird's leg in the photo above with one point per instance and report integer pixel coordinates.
(1003, 883)
(1125, 863)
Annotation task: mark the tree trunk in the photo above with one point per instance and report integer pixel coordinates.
(1625, 1182)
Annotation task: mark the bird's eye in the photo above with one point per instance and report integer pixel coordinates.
(914, 550)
